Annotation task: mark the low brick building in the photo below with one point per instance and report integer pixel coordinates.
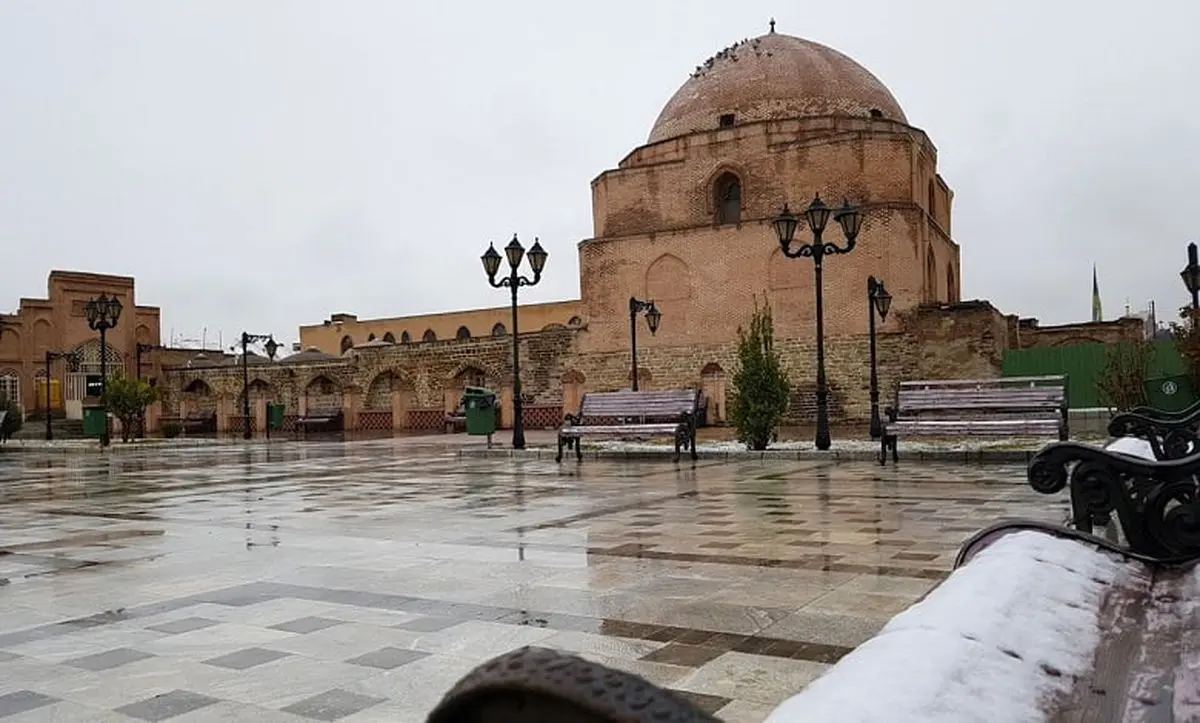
(685, 220)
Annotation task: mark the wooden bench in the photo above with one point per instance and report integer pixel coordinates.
(199, 422)
(625, 414)
(456, 420)
(1002, 407)
(1172, 435)
(329, 420)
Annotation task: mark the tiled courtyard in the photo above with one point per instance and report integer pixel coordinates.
(359, 581)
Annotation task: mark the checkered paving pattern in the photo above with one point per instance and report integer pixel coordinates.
(358, 581)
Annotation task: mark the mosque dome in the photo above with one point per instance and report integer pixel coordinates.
(773, 77)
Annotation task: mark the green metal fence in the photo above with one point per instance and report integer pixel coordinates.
(1083, 364)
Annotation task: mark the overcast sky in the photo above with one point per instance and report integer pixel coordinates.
(261, 164)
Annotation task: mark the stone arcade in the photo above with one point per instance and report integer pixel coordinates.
(685, 220)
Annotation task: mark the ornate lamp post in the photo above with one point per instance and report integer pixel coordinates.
(515, 252)
(271, 347)
(1191, 278)
(818, 215)
(878, 302)
(653, 317)
(50, 357)
(102, 314)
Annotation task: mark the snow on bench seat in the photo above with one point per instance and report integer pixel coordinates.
(998, 640)
(1132, 446)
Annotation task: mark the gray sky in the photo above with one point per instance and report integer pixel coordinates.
(260, 165)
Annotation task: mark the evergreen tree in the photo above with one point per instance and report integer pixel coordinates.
(760, 385)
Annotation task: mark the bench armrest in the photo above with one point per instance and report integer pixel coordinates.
(571, 420)
(1156, 502)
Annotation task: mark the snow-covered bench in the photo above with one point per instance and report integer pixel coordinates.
(1171, 435)
(1035, 624)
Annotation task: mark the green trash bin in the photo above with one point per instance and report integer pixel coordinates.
(480, 407)
(93, 421)
(275, 416)
(1170, 394)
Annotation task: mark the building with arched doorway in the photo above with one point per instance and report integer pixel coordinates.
(58, 323)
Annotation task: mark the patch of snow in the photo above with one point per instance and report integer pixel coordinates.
(1132, 446)
(839, 445)
(1000, 635)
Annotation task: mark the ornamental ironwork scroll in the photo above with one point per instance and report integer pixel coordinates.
(1156, 503)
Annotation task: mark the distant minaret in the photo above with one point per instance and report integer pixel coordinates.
(1097, 311)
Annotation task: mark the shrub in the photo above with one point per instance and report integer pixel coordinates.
(760, 385)
(12, 421)
(127, 399)
(1122, 382)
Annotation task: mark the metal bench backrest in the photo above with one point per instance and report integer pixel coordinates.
(1012, 394)
(657, 404)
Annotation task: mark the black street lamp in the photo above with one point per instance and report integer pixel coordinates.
(139, 350)
(514, 251)
(1191, 277)
(878, 302)
(102, 314)
(50, 357)
(818, 215)
(653, 317)
(271, 347)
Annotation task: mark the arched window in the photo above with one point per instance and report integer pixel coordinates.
(347, 343)
(932, 201)
(575, 321)
(405, 337)
(371, 337)
(931, 295)
(389, 337)
(727, 198)
(499, 330)
(951, 287)
(462, 333)
(429, 335)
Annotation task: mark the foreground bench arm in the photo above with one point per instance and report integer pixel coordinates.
(1157, 503)
(1171, 436)
(538, 685)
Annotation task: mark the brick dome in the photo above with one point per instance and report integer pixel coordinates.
(773, 77)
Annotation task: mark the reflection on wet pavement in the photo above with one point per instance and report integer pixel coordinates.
(359, 581)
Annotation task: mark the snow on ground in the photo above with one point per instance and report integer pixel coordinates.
(839, 445)
(1007, 630)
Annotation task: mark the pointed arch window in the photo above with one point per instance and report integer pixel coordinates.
(463, 333)
(430, 335)
(347, 343)
(727, 198)
(389, 337)
(951, 286)
(931, 295)
(405, 337)
(932, 201)
(499, 329)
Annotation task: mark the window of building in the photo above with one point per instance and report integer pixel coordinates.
(932, 201)
(371, 337)
(462, 333)
(429, 335)
(389, 337)
(10, 386)
(876, 113)
(405, 337)
(727, 120)
(347, 343)
(727, 192)
(498, 329)
(951, 288)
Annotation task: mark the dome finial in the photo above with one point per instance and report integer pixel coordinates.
(772, 26)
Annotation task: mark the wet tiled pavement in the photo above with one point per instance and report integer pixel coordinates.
(358, 582)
